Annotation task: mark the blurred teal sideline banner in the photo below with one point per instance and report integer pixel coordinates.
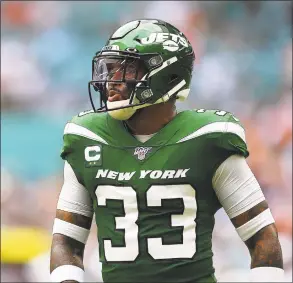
(30, 145)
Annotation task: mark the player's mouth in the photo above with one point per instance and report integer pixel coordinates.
(115, 95)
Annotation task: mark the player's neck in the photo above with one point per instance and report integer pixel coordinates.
(151, 119)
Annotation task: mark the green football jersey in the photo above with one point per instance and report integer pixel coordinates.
(154, 202)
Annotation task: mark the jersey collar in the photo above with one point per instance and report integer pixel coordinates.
(121, 136)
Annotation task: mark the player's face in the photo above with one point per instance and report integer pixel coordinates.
(121, 76)
(133, 71)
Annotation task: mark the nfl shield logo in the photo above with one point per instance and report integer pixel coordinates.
(141, 152)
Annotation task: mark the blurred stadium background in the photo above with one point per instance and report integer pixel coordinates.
(243, 65)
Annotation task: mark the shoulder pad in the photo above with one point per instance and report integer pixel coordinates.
(88, 118)
(87, 125)
(232, 131)
(215, 114)
(202, 121)
(228, 132)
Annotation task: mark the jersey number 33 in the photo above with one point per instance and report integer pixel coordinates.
(154, 196)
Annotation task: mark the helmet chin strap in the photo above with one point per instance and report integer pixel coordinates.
(120, 114)
(126, 113)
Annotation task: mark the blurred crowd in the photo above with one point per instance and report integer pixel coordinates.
(243, 65)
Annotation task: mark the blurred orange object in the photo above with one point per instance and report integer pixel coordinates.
(15, 13)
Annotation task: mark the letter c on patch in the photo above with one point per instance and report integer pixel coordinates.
(92, 153)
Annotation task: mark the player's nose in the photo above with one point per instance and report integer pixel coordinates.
(117, 76)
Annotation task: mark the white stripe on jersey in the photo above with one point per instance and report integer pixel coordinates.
(217, 127)
(75, 129)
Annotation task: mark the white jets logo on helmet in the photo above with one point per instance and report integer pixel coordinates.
(170, 41)
(141, 152)
(170, 45)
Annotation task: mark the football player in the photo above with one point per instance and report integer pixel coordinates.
(154, 178)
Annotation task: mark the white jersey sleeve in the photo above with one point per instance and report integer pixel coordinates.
(238, 191)
(74, 197)
(236, 186)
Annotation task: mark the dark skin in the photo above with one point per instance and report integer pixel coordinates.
(149, 120)
(264, 246)
(65, 250)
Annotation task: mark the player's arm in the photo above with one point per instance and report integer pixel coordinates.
(71, 229)
(264, 245)
(242, 198)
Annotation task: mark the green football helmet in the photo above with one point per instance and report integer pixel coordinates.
(151, 58)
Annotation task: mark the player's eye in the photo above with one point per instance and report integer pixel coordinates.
(114, 69)
(131, 69)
